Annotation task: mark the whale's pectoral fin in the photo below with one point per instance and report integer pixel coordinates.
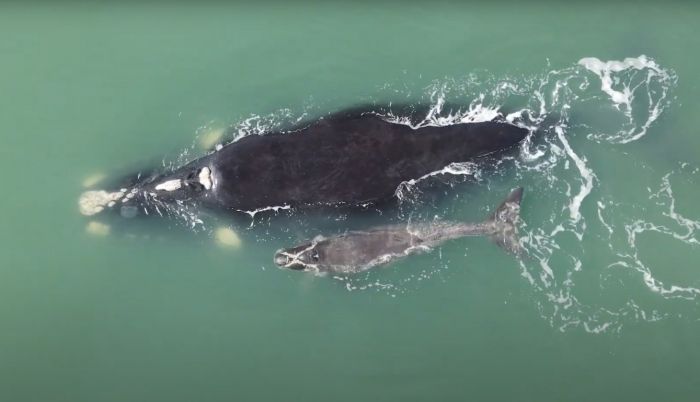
(505, 220)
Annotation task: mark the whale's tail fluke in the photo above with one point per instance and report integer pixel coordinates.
(505, 219)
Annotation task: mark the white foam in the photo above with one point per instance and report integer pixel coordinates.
(455, 168)
(276, 209)
(587, 176)
(604, 70)
(475, 113)
(615, 74)
(685, 232)
(691, 226)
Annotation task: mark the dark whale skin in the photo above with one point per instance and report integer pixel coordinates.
(351, 160)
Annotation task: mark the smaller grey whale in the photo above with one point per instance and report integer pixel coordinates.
(358, 251)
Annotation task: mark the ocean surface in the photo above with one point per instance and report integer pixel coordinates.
(604, 307)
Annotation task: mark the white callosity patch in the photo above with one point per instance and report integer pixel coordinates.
(170, 185)
(93, 202)
(128, 196)
(205, 178)
(295, 258)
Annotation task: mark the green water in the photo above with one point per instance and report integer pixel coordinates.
(605, 307)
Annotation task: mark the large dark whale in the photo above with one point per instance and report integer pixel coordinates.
(349, 158)
(358, 251)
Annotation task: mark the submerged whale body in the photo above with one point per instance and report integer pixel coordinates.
(358, 251)
(349, 158)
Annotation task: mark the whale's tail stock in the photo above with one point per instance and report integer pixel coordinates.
(505, 220)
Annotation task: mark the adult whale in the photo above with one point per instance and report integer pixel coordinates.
(349, 158)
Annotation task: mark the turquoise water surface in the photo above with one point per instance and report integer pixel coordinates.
(604, 307)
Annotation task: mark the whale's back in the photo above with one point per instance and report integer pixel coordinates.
(346, 160)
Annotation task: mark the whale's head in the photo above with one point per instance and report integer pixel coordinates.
(147, 193)
(93, 202)
(305, 257)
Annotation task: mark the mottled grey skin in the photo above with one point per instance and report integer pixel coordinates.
(359, 251)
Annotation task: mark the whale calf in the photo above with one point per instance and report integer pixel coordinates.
(351, 158)
(359, 251)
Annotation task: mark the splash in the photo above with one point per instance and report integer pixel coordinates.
(589, 108)
(408, 190)
(476, 112)
(573, 111)
(623, 81)
(637, 90)
(275, 209)
(679, 228)
(587, 176)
